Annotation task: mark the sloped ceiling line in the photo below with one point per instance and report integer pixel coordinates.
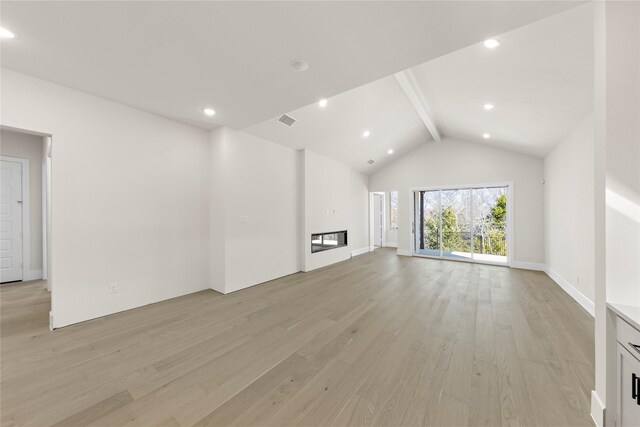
(408, 84)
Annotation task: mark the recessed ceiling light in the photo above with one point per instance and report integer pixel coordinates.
(486, 136)
(366, 134)
(323, 103)
(488, 107)
(209, 112)
(299, 64)
(491, 43)
(390, 151)
(6, 34)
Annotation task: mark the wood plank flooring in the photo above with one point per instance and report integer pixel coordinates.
(377, 340)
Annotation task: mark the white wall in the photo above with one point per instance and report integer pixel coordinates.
(326, 206)
(30, 147)
(266, 183)
(623, 153)
(454, 162)
(130, 199)
(217, 210)
(603, 385)
(154, 205)
(617, 179)
(256, 179)
(359, 228)
(569, 210)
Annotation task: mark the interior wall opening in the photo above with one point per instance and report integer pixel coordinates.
(378, 227)
(25, 211)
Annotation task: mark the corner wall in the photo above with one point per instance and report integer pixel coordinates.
(130, 199)
(469, 164)
(326, 207)
(359, 228)
(266, 199)
(569, 213)
(617, 178)
(30, 147)
(164, 209)
(254, 197)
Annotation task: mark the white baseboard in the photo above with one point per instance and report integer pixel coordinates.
(528, 265)
(32, 275)
(360, 251)
(574, 293)
(391, 245)
(597, 409)
(404, 252)
(585, 302)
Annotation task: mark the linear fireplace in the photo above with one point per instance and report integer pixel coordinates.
(326, 241)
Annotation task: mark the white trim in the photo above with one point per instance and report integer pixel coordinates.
(372, 220)
(585, 302)
(32, 275)
(391, 245)
(467, 260)
(597, 409)
(462, 186)
(360, 251)
(26, 214)
(46, 213)
(404, 252)
(529, 265)
(372, 248)
(510, 217)
(388, 227)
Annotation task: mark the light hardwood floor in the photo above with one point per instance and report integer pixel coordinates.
(377, 340)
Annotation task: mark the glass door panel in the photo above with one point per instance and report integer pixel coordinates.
(429, 224)
(456, 223)
(465, 224)
(489, 208)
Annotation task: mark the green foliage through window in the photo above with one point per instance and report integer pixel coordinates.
(489, 230)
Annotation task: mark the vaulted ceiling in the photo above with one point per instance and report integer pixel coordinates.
(337, 130)
(173, 58)
(539, 81)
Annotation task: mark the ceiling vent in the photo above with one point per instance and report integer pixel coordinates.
(287, 120)
(371, 161)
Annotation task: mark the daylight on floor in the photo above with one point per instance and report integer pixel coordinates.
(314, 213)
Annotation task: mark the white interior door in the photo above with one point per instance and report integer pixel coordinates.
(10, 221)
(378, 218)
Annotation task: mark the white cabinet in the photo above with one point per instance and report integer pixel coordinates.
(628, 361)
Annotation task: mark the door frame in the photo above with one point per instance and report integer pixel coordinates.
(510, 220)
(26, 215)
(372, 221)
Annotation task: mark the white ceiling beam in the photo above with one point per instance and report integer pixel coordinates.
(408, 84)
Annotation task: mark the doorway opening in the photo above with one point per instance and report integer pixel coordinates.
(377, 232)
(25, 210)
(463, 223)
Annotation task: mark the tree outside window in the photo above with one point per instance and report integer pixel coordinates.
(394, 209)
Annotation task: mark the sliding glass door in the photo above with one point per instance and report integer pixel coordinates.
(489, 206)
(428, 213)
(462, 223)
(456, 223)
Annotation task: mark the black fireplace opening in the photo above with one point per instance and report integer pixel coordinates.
(327, 241)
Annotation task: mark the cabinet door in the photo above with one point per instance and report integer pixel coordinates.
(628, 389)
